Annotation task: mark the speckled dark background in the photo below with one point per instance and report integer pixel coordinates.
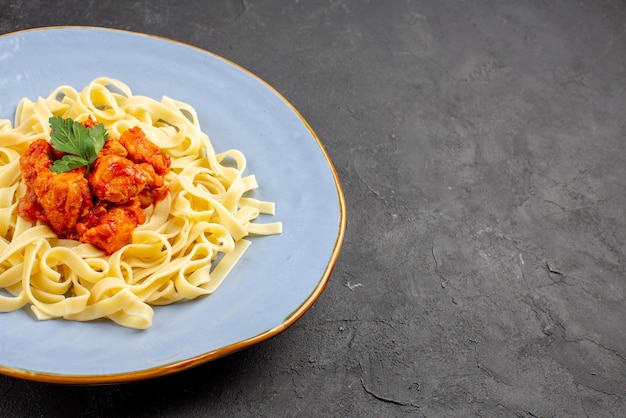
(482, 149)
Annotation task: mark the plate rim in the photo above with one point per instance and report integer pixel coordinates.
(180, 365)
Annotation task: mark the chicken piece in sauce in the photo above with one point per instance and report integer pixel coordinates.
(65, 198)
(113, 147)
(60, 199)
(116, 179)
(115, 228)
(142, 150)
(35, 160)
(155, 189)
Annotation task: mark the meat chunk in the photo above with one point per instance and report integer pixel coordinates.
(115, 228)
(113, 147)
(35, 160)
(29, 208)
(65, 198)
(142, 150)
(117, 179)
(155, 189)
(89, 122)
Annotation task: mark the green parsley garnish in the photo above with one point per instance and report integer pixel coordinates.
(81, 144)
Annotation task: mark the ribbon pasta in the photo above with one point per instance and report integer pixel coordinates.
(188, 244)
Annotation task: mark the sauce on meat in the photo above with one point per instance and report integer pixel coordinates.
(103, 207)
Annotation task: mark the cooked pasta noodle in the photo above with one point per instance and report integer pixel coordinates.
(185, 248)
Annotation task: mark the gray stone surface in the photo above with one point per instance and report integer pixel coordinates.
(482, 150)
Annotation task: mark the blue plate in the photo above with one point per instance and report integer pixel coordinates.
(279, 277)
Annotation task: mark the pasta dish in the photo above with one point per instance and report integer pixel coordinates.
(151, 216)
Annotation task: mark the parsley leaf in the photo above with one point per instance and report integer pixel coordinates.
(81, 144)
(68, 163)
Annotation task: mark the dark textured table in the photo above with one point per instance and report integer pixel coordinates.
(481, 146)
